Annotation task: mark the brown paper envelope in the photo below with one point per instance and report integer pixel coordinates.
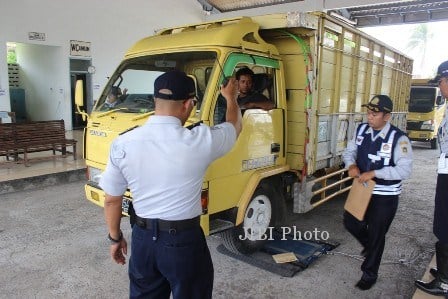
(358, 198)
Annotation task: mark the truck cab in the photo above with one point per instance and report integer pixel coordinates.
(426, 109)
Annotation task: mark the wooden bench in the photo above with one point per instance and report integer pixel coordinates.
(7, 140)
(23, 138)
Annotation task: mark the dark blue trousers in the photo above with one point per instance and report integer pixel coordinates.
(371, 232)
(162, 262)
(441, 209)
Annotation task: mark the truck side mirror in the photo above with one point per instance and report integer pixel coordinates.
(79, 93)
(79, 98)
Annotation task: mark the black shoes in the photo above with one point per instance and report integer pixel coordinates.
(434, 287)
(365, 284)
(433, 271)
(439, 285)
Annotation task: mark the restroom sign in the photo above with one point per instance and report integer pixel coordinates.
(36, 36)
(79, 48)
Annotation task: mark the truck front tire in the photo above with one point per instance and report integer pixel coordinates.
(434, 143)
(258, 222)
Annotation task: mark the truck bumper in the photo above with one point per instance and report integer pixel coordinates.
(95, 195)
(421, 135)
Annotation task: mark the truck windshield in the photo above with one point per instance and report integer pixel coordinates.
(422, 99)
(131, 88)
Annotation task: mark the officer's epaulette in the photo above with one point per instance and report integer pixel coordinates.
(128, 130)
(193, 125)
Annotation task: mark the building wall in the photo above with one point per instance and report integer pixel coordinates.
(110, 26)
(43, 79)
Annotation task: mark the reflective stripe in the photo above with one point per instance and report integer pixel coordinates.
(394, 189)
(361, 130)
(391, 141)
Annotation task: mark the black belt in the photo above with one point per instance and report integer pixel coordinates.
(168, 225)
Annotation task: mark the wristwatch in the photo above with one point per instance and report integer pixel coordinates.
(115, 241)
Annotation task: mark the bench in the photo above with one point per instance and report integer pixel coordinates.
(35, 136)
(7, 140)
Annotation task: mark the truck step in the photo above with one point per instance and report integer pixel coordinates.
(219, 225)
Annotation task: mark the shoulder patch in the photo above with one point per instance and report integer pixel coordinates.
(119, 154)
(128, 130)
(404, 148)
(116, 151)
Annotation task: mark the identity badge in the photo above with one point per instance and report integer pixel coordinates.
(386, 150)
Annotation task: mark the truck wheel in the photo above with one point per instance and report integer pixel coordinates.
(258, 218)
(434, 143)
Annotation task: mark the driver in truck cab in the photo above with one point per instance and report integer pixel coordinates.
(163, 164)
(248, 97)
(114, 98)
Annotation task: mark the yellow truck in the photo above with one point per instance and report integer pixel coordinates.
(318, 71)
(426, 109)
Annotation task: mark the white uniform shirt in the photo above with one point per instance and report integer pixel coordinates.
(163, 164)
(442, 135)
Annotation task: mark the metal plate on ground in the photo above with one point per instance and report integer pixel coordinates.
(306, 252)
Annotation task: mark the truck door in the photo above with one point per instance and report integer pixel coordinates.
(261, 142)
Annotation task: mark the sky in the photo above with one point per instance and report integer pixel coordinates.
(398, 37)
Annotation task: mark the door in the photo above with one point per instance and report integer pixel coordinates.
(261, 142)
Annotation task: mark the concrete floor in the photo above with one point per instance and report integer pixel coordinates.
(53, 244)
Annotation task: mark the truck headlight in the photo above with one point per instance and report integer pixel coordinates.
(94, 174)
(427, 125)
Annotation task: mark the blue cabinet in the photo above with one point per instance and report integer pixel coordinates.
(17, 97)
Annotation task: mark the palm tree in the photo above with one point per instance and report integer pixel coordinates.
(418, 41)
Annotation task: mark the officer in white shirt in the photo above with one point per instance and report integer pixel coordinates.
(439, 285)
(163, 164)
(381, 152)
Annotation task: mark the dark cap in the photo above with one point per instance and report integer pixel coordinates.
(380, 103)
(442, 71)
(174, 85)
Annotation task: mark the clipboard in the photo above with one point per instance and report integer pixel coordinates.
(358, 198)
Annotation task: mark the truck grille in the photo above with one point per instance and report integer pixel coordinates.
(413, 125)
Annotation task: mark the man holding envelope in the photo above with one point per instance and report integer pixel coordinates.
(380, 152)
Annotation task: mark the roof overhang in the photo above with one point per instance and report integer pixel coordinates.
(396, 12)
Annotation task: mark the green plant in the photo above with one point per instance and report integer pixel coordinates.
(11, 57)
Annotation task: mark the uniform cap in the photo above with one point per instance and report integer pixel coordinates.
(442, 71)
(380, 103)
(174, 85)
